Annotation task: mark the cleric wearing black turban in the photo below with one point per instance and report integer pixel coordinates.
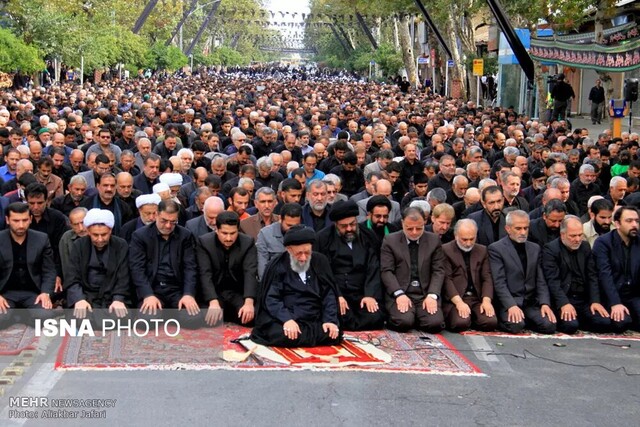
(298, 303)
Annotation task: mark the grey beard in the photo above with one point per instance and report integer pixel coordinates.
(319, 206)
(298, 267)
(463, 249)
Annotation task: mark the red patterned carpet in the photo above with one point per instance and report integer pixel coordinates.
(378, 351)
(17, 338)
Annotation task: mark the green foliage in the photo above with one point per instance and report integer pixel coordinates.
(230, 57)
(490, 63)
(389, 59)
(101, 35)
(163, 57)
(15, 55)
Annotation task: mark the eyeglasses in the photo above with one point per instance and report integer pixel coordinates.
(167, 222)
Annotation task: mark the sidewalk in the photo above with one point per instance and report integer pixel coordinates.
(594, 130)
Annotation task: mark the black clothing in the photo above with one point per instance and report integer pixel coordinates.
(20, 279)
(284, 296)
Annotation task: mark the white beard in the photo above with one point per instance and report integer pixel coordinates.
(463, 249)
(298, 267)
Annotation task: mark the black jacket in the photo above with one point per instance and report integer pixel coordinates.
(556, 268)
(143, 259)
(243, 266)
(76, 278)
(320, 267)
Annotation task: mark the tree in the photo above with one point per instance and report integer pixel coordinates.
(161, 57)
(16, 55)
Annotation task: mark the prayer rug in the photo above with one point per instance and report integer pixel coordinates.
(629, 335)
(376, 351)
(170, 351)
(16, 338)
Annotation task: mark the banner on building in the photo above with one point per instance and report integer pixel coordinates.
(621, 52)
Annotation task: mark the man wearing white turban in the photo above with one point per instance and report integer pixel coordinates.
(98, 274)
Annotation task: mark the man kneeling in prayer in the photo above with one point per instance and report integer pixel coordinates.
(298, 304)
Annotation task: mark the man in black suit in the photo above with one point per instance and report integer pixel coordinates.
(163, 265)
(617, 256)
(490, 220)
(149, 177)
(468, 285)
(106, 199)
(98, 271)
(544, 230)
(48, 221)
(522, 295)
(571, 274)
(228, 269)
(354, 258)
(27, 270)
(412, 271)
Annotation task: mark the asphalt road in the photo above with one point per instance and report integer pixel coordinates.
(515, 391)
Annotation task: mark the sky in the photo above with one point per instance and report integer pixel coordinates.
(299, 6)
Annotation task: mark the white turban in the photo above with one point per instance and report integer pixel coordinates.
(159, 188)
(147, 199)
(171, 179)
(99, 216)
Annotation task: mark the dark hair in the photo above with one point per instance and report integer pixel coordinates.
(153, 157)
(198, 146)
(554, 205)
(420, 178)
(292, 210)
(169, 206)
(309, 154)
(26, 179)
(239, 191)
(17, 207)
(213, 181)
(165, 164)
(618, 214)
(492, 189)
(11, 150)
(350, 158)
(57, 150)
(601, 205)
(379, 175)
(298, 172)
(102, 158)
(227, 218)
(35, 189)
(289, 184)
(45, 161)
(248, 168)
(341, 145)
(106, 175)
(385, 154)
(391, 167)
(245, 149)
